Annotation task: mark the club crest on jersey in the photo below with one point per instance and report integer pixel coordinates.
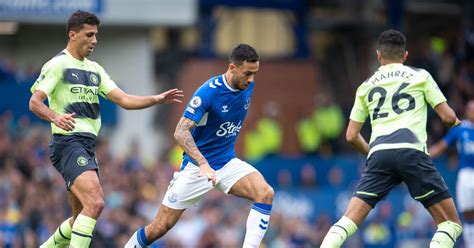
(195, 102)
(94, 79)
(247, 102)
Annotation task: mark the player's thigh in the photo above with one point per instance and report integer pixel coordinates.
(253, 187)
(378, 178)
(186, 188)
(422, 178)
(241, 179)
(87, 188)
(465, 192)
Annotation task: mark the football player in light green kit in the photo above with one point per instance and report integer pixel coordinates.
(72, 84)
(395, 98)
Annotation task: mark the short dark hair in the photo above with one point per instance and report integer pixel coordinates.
(392, 44)
(243, 53)
(80, 18)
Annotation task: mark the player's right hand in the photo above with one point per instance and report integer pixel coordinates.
(208, 172)
(65, 122)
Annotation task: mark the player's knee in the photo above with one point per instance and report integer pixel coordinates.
(99, 204)
(266, 195)
(96, 205)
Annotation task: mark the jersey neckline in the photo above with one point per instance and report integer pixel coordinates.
(227, 85)
(75, 59)
(388, 66)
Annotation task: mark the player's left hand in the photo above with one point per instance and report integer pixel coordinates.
(170, 96)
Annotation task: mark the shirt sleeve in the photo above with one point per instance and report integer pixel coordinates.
(451, 136)
(48, 79)
(198, 105)
(359, 110)
(433, 94)
(106, 83)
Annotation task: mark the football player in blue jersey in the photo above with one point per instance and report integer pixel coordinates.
(463, 136)
(207, 132)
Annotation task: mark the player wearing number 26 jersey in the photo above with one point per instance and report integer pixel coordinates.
(395, 99)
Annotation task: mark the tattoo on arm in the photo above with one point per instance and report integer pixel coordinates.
(185, 139)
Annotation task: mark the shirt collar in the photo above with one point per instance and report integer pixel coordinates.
(227, 85)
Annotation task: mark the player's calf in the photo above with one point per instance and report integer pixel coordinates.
(145, 236)
(446, 216)
(161, 224)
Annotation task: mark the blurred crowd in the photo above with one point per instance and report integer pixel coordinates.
(33, 200)
(451, 62)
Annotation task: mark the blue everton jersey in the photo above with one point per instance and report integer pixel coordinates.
(463, 135)
(219, 111)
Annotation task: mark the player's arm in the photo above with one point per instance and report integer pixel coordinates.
(447, 115)
(442, 145)
(438, 148)
(184, 138)
(437, 101)
(37, 106)
(127, 101)
(354, 137)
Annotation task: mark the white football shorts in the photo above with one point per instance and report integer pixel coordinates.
(187, 188)
(465, 189)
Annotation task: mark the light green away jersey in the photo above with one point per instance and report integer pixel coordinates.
(395, 99)
(73, 86)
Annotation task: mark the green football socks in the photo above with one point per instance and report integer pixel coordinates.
(60, 238)
(446, 235)
(82, 231)
(339, 232)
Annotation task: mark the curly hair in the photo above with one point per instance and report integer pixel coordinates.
(392, 44)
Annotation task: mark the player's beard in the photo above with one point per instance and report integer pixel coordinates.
(243, 85)
(238, 83)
